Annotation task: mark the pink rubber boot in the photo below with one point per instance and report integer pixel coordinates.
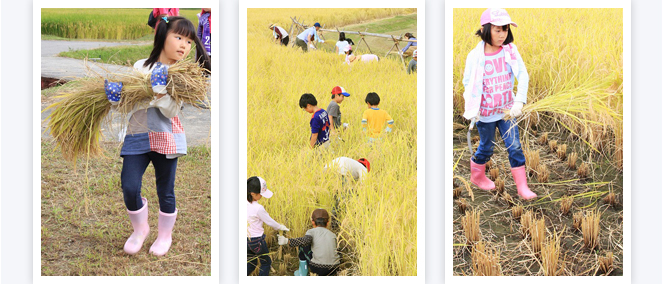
(520, 177)
(164, 239)
(478, 176)
(141, 229)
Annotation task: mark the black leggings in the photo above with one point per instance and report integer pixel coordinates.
(285, 40)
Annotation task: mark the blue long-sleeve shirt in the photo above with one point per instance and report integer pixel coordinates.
(409, 43)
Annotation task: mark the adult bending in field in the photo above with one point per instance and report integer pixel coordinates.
(307, 36)
(280, 35)
(412, 66)
(410, 47)
(351, 58)
(342, 43)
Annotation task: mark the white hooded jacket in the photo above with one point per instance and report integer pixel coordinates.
(473, 77)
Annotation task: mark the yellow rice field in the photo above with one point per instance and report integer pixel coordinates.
(378, 218)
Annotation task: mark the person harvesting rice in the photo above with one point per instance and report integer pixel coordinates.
(490, 71)
(318, 245)
(256, 188)
(154, 134)
(352, 58)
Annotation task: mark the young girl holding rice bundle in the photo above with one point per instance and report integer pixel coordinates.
(490, 70)
(154, 134)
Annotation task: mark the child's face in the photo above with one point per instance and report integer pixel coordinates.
(175, 48)
(309, 108)
(256, 196)
(497, 35)
(339, 98)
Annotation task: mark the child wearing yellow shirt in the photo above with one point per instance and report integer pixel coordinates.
(375, 118)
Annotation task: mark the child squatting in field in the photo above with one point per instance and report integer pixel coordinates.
(490, 70)
(375, 118)
(154, 134)
(318, 245)
(319, 121)
(256, 247)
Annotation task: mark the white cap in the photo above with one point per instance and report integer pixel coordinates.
(266, 193)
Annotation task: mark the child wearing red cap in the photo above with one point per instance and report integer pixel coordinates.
(334, 110)
(490, 72)
(255, 217)
(318, 245)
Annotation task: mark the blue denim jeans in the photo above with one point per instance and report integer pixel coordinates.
(509, 132)
(133, 168)
(256, 248)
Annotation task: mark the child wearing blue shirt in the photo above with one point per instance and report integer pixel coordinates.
(319, 121)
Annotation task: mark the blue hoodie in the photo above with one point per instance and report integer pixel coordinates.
(204, 31)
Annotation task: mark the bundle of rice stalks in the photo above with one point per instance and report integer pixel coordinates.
(552, 146)
(583, 170)
(470, 223)
(77, 116)
(577, 220)
(550, 255)
(526, 223)
(532, 159)
(458, 192)
(542, 174)
(538, 233)
(462, 205)
(572, 160)
(590, 229)
(561, 152)
(586, 110)
(565, 204)
(606, 263)
(485, 261)
(494, 173)
(611, 199)
(543, 140)
(499, 185)
(517, 211)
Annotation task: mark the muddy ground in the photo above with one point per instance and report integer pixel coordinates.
(502, 231)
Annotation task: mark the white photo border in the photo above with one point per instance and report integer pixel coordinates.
(421, 126)
(36, 154)
(448, 161)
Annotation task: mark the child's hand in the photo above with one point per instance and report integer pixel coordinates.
(388, 129)
(284, 228)
(516, 109)
(113, 91)
(159, 78)
(283, 240)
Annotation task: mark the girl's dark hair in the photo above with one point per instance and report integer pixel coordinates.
(487, 38)
(341, 36)
(349, 51)
(321, 222)
(252, 185)
(372, 98)
(181, 26)
(307, 99)
(408, 35)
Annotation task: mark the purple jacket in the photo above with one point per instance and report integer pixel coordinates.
(204, 31)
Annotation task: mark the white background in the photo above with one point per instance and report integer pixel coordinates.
(16, 125)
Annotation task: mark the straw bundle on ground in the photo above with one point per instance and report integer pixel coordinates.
(485, 260)
(78, 115)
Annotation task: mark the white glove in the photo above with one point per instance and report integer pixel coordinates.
(283, 240)
(516, 109)
(312, 46)
(284, 228)
(345, 125)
